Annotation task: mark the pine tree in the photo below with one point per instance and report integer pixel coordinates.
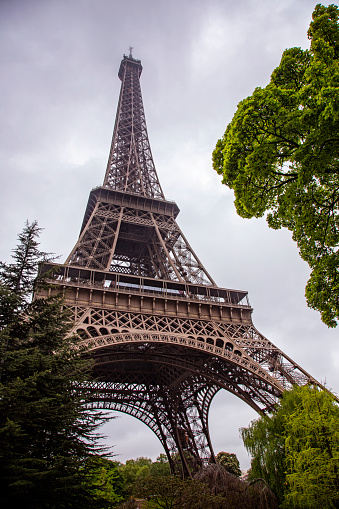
(46, 433)
(20, 275)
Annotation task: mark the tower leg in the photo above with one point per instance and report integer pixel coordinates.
(177, 415)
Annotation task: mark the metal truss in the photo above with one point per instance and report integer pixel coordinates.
(176, 413)
(132, 240)
(130, 165)
(258, 371)
(164, 337)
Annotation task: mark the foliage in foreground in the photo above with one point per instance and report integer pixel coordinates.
(280, 155)
(171, 492)
(135, 469)
(229, 461)
(212, 488)
(46, 435)
(234, 492)
(103, 482)
(296, 451)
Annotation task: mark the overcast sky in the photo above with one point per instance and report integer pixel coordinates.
(59, 93)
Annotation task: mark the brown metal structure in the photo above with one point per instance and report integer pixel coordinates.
(165, 338)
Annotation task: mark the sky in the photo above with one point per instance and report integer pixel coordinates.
(58, 97)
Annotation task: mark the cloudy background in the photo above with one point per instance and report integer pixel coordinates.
(58, 99)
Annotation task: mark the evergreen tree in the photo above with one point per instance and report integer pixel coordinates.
(21, 275)
(46, 433)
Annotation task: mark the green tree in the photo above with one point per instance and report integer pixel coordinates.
(103, 481)
(296, 450)
(312, 450)
(160, 467)
(264, 440)
(229, 461)
(280, 155)
(171, 492)
(20, 276)
(46, 433)
(134, 469)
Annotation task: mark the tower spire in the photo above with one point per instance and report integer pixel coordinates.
(130, 166)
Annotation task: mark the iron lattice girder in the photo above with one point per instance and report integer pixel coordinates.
(159, 405)
(216, 325)
(144, 363)
(233, 338)
(130, 165)
(177, 412)
(146, 234)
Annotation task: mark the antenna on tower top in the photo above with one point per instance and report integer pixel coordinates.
(130, 51)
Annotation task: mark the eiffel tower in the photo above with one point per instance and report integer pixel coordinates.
(164, 337)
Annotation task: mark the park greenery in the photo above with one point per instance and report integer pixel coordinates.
(229, 461)
(212, 487)
(280, 155)
(50, 452)
(296, 449)
(135, 470)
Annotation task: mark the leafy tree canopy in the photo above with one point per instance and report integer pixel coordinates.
(171, 492)
(280, 155)
(229, 461)
(103, 481)
(296, 451)
(312, 450)
(136, 469)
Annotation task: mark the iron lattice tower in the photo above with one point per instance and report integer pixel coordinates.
(165, 338)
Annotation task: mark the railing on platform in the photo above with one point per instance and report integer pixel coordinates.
(113, 282)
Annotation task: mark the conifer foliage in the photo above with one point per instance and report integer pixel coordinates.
(46, 433)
